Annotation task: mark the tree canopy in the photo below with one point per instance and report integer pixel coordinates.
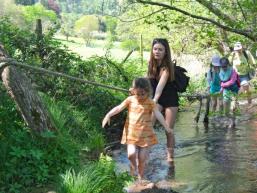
(232, 16)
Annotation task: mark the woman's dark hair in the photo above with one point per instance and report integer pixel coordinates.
(224, 61)
(167, 63)
(144, 84)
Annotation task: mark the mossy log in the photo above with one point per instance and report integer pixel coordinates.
(28, 102)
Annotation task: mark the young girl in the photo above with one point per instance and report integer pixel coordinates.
(138, 131)
(213, 80)
(229, 85)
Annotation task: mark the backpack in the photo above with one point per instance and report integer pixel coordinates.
(251, 74)
(181, 79)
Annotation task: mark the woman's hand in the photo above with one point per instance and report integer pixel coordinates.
(169, 130)
(106, 119)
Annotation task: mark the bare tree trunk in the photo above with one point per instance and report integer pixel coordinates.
(26, 98)
(40, 46)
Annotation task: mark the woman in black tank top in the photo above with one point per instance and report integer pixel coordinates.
(161, 74)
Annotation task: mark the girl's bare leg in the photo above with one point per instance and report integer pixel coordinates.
(214, 103)
(220, 101)
(132, 156)
(143, 153)
(227, 105)
(170, 118)
(246, 89)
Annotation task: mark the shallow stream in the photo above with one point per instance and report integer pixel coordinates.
(213, 159)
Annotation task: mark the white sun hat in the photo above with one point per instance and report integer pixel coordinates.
(215, 60)
(238, 46)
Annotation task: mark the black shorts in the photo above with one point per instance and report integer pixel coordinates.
(169, 96)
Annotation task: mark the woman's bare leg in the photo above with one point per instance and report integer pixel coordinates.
(170, 118)
(132, 156)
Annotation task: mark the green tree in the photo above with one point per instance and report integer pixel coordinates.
(38, 11)
(68, 22)
(85, 27)
(111, 24)
(233, 16)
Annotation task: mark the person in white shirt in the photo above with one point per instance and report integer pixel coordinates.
(245, 65)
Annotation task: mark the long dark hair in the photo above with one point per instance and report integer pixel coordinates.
(167, 63)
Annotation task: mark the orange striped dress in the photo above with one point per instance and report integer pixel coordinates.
(138, 127)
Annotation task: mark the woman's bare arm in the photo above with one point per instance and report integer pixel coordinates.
(162, 82)
(161, 119)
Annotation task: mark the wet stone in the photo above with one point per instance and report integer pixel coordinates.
(149, 188)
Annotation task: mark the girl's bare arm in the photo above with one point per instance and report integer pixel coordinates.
(114, 111)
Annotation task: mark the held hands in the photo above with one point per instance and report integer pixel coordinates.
(106, 119)
(169, 130)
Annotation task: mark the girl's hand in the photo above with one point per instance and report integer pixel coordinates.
(106, 120)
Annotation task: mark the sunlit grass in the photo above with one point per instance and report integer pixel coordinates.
(95, 177)
(98, 48)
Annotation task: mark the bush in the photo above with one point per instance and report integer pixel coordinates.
(28, 159)
(96, 177)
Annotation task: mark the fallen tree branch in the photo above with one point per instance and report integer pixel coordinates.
(9, 61)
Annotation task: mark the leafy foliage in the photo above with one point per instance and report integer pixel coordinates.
(88, 7)
(29, 159)
(38, 11)
(96, 177)
(33, 160)
(85, 26)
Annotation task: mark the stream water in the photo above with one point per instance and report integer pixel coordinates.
(207, 160)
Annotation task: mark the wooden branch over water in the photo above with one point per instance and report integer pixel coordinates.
(58, 74)
(9, 61)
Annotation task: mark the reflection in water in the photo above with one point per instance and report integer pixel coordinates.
(208, 159)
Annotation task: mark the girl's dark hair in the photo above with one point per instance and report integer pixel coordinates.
(224, 61)
(167, 62)
(144, 84)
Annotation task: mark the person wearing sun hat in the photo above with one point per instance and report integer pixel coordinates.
(214, 83)
(245, 64)
(230, 85)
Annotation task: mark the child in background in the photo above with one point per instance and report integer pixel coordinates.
(230, 85)
(213, 80)
(138, 131)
